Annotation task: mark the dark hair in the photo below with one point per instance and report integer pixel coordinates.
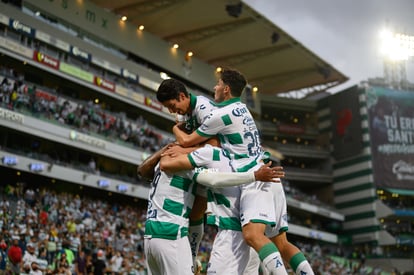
(235, 80)
(170, 89)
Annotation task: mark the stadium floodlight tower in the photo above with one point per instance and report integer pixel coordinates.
(397, 50)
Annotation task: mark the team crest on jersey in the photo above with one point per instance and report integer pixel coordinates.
(152, 214)
(203, 127)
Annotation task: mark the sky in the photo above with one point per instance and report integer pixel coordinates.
(344, 33)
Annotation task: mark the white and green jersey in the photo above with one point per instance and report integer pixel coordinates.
(222, 202)
(201, 108)
(170, 200)
(235, 127)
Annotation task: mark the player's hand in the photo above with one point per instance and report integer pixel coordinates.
(174, 151)
(198, 268)
(168, 146)
(269, 174)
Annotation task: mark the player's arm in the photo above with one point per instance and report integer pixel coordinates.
(187, 140)
(175, 151)
(171, 164)
(227, 179)
(146, 168)
(222, 179)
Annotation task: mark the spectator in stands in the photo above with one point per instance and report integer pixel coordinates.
(3, 257)
(116, 263)
(80, 263)
(15, 256)
(99, 265)
(29, 254)
(36, 269)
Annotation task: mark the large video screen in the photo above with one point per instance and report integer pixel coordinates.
(391, 124)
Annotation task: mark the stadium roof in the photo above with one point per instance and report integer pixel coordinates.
(230, 33)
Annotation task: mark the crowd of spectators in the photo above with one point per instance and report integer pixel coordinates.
(45, 232)
(86, 117)
(48, 233)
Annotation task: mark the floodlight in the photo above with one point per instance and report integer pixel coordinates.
(396, 46)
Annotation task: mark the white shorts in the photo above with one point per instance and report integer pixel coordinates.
(230, 253)
(168, 257)
(253, 265)
(280, 212)
(257, 203)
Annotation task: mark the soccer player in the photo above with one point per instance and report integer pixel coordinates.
(238, 134)
(174, 96)
(224, 207)
(193, 110)
(169, 204)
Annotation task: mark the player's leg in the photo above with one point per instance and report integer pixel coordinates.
(253, 265)
(269, 254)
(255, 213)
(229, 254)
(290, 253)
(196, 229)
(168, 257)
(293, 255)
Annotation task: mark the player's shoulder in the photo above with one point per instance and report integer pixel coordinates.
(208, 150)
(204, 103)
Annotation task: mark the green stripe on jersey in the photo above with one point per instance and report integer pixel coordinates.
(221, 199)
(235, 138)
(216, 154)
(226, 120)
(187, 212)
(173, 207)
(247, 167)
(181, 183)
(210, 196)
(211, 219)
(230, 223)
(190, 158)
(203, 134)
(162, 230)
(184, 231)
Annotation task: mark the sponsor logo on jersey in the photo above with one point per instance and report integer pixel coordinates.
(249, 121)
(239, 111)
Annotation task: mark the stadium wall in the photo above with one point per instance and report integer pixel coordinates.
(343, 117)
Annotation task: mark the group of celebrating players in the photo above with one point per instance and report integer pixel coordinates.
(216, 169)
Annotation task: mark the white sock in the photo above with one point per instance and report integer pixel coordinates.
(300, 265)
(304, 268)
(274, 264)
(195, 234)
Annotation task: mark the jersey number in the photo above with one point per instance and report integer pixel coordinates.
(155, 183)
(253, 146)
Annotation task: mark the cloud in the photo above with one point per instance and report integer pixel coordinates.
(343, 33)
